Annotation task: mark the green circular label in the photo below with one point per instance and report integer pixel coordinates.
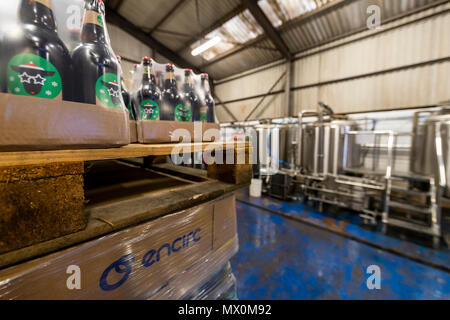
(107, 90)
(31, 75)
(203, 117)
(183, 113)
(149, 110)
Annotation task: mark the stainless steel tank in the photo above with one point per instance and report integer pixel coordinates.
(311, 153)
(324, 147)
(264, 158)
(342, 150)
(277, 147)
(288, 136)
(430, 148)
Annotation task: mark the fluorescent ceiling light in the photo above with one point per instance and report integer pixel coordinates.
(207, 45)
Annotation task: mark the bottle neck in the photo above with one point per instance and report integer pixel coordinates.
(93, 27)
(170, 82)
(148, 75)
(188, 83)
(205, 85)
(39, 13)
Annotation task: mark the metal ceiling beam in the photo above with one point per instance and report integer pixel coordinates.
(218, 23)
(116, 19)
(295, 22)
(233, 51)
(168, 14)
(269, 29)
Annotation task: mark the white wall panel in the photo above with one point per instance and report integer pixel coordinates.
(422, 41)
(127, 46)
(270, 108)
(411, 44)
(251, 85)
(422, 86)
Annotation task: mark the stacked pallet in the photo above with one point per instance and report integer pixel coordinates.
(114, 229)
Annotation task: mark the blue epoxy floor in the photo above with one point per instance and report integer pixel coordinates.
(281, 258)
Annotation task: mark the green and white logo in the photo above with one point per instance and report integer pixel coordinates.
(31, 75)
(149, 110)
(100, 19)
(107, 90)
(183, 113)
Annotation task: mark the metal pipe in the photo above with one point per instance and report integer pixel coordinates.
(359, 184)
(326, 153)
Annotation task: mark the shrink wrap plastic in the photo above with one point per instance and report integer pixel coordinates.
(188, 117)
(59, 77)
(170, 257)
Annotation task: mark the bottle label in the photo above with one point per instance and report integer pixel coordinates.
(183, 113)
(108, 91)
(46, 3)
(93, 17)
(31, 75)
(149, 110)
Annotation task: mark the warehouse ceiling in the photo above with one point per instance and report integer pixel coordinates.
(250, 33)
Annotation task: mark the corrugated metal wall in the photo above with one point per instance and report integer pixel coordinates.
(129, 48)
(408, 66)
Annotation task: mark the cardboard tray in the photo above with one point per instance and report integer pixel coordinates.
(30, 123)
(133, 131)
(166, 131)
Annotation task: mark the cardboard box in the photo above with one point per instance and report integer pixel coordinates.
(133, 131)
(174, 131)
(135, 263)
(30, 123)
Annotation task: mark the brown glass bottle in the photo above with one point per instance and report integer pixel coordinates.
(95, 66)
(37, 63)
(208, 101)
(148, 95)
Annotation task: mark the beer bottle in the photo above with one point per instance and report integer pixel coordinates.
(207, 112)
(149, 95)
(125, 93)
(95, 66)
(172, 104)
(191, 99)
(38, 62)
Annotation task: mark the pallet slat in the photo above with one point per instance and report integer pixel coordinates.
(130, 151)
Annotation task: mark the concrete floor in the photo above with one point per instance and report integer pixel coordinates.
(290, 251)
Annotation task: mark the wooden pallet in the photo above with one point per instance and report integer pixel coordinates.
(44, 194)
(129, 151)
